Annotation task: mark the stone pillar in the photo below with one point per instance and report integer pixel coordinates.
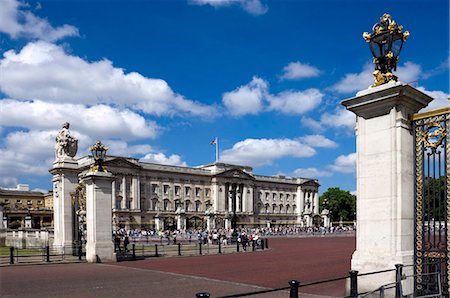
(123, 203)
(2, 224)
(300, 205)
(99, 246)
(385, 180)
(113, 194)
(65, 180)
(158, 223)
(316, 202)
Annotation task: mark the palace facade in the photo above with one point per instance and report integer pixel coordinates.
(146, 195)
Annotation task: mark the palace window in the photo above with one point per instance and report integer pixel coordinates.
(154, 188)
(166, 189)
(166, 205)
(197, 206)
(187, 191)
(187, 205)
(207, 192)
(177, 190)
(198, 191)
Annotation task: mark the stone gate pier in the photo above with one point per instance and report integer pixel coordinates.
(385, 181)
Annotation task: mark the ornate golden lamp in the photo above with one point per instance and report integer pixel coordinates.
(385, 42)
(99, 154)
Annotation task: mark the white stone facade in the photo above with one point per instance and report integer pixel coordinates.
(168, 197)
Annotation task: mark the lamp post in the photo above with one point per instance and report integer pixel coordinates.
(99, 154)
(385, 42)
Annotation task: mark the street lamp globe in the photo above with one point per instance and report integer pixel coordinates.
(385, 43)
(98, 151)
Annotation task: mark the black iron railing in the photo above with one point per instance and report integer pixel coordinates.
(46, 254)
(295, 285)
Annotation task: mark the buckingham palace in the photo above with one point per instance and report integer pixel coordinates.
(146, 195)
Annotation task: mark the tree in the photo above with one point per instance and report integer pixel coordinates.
(341, 203)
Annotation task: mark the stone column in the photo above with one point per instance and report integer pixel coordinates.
(113, 194)
(316, 202)
(123, 203)
(2, 224)
(385, 180)
(65, 180)
(99, 246)
(300, 204)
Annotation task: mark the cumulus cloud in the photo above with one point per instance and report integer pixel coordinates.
(75, 80)
(441, 99)
(340, 118)
(297, 70)
(254, 7)
(247, 99)
(295, 102)
(353, 82)
(311, 173)
(344, 164)
(259, 152)
(31, 153)
(99, 121)
(161, 158)
(17, 22)
(319, 141)
(255, 97)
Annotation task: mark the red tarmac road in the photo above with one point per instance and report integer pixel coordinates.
(304, 259)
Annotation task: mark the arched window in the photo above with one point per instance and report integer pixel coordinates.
(197, 206)
(274, 208)
(288, 208)
(281, 209)
(154, 204)
(266, 208)
(166, 205)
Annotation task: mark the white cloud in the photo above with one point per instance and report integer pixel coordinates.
(344, 164)
(311, 173)
(161, 158)
(318, 141)
(18, 22)
(297, 70)
(254, 7)
(353, 82)
(73, 80)
(98, 121)
(259, 152)
(340, 118)
(253, 97)
(295, 102)
(247, 99)
(441, 99)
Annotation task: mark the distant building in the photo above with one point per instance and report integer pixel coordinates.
(19, 202)
(157, 196)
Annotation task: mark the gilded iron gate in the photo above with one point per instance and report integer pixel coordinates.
(432, 202)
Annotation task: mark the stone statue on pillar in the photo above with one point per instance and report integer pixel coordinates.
(66, 145)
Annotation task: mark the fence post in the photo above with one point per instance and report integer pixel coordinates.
(262, 243)
(382, 292)
(47, 253)
(237, 245)
(80, 251)
(156, 250)
(200, 248)
(354, 283)
(134, 251)
(179, 249)
(220, 245)
(11, 255)
(202, 295)
(267, 243)
(293, 293)
(398, 280)
(253, 245)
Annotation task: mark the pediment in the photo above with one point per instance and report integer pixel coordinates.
(120, 163)
(313, 183)
(236, 174)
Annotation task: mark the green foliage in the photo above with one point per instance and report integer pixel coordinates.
(341, 203)
(434, 198)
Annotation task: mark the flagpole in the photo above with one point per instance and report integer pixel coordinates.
(217, 149)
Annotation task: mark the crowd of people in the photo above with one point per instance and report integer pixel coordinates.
(224, 236)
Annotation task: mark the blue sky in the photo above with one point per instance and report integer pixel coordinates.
(158, 80)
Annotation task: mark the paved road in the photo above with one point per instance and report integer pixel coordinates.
(305, 259)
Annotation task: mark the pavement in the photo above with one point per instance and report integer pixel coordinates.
(303, 259)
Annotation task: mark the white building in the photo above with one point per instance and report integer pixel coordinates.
(168, 197)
